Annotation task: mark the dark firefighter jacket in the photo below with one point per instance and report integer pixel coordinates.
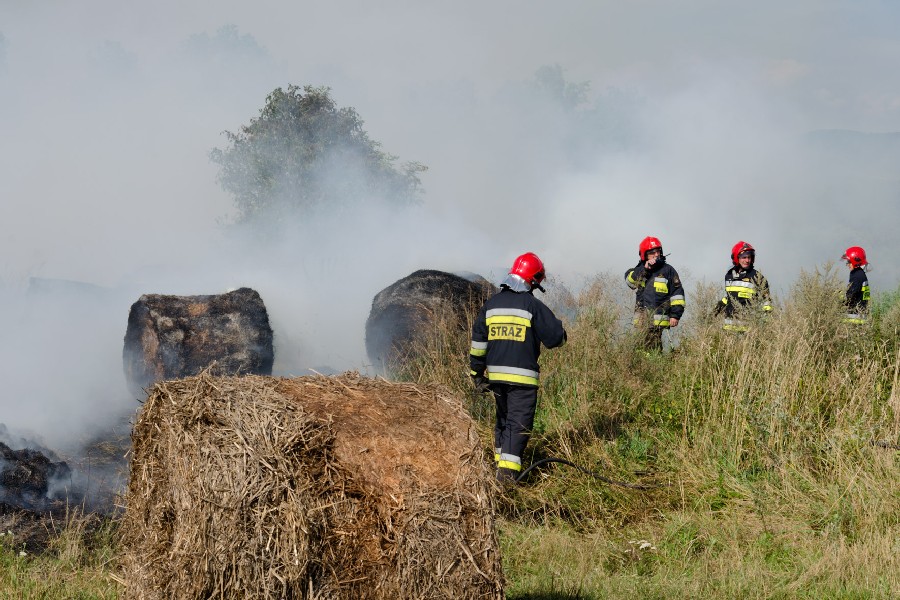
(658, 290)
(507, 337)
(857, 296)
(743, 289)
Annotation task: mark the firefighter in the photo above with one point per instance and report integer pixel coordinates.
(506, 343)
(857, 299)
(658, 297)
(746, 289)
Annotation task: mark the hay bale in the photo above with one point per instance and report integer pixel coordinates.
(560, 299)
(406, 310)
(169, 337)
(314, 487)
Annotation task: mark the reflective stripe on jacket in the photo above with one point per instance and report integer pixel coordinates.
(743, 289)
(507, 337)
(658, 291)
(857, 300)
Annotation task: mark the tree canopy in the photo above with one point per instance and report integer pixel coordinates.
(305, 155)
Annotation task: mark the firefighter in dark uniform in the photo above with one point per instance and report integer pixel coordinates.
(658, 296)
(857, 299)
(746, 289)
(506, 343)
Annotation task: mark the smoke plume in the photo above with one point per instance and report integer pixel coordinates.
(569, 130)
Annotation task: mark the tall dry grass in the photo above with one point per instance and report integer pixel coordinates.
(763, 446)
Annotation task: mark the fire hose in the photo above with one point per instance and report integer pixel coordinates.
(595, 475)
(883, 444)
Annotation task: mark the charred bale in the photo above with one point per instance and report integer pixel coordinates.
(27, 477)
(170, 337)
(559, 299)
(315, 487)
(90, 476)
(405, 311)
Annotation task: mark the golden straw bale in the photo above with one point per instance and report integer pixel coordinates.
(314, 487)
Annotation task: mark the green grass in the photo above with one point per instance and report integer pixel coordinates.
(770, 486)
(79, 563)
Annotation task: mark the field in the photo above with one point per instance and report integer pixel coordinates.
(775, 453)
(770, 459)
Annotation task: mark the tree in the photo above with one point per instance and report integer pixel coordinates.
(551, 81)
(585, 125)
(304, 155)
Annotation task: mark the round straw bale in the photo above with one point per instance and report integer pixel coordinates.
(169, 337)
(408, 309)
(314, 487)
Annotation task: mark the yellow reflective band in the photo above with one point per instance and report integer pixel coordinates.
(741, 292)
(725, 300)
(767, 307)
(505, 464)
(632, 283)
(661, 322)
(661, 287)
(475, 352)
(473, 373)
(496, 457)
(508, 320)
(510, 378)
(505, 331)
(677, 303)
(735, 328)
(507, 327)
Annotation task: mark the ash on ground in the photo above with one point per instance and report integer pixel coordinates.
(41, 491)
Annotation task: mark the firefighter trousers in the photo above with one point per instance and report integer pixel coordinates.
(515, 420)
(650, 334)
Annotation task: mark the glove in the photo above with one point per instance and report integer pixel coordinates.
(482, 385)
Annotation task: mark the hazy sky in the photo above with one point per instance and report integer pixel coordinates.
(703, 134)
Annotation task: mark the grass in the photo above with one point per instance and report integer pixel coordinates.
(79, 563)
(760, 445)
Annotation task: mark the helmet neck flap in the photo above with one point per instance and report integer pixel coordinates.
(515, 283)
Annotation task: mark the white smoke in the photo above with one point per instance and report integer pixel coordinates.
(699, 127)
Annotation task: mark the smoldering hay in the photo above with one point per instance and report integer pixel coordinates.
(177, 336)
(403, 313)
(313, 487)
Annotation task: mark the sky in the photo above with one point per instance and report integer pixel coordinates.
(702, 123)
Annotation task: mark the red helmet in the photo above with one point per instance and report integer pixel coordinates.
(740, 247)
(648, 243)
(530, 268)
(856, 256)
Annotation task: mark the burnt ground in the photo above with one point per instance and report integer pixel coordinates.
(43, 493)
(35, 532)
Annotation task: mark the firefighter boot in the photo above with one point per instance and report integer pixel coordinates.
(506, 477)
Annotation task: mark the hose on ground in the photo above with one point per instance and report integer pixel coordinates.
(883, 444)
(544, 461)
